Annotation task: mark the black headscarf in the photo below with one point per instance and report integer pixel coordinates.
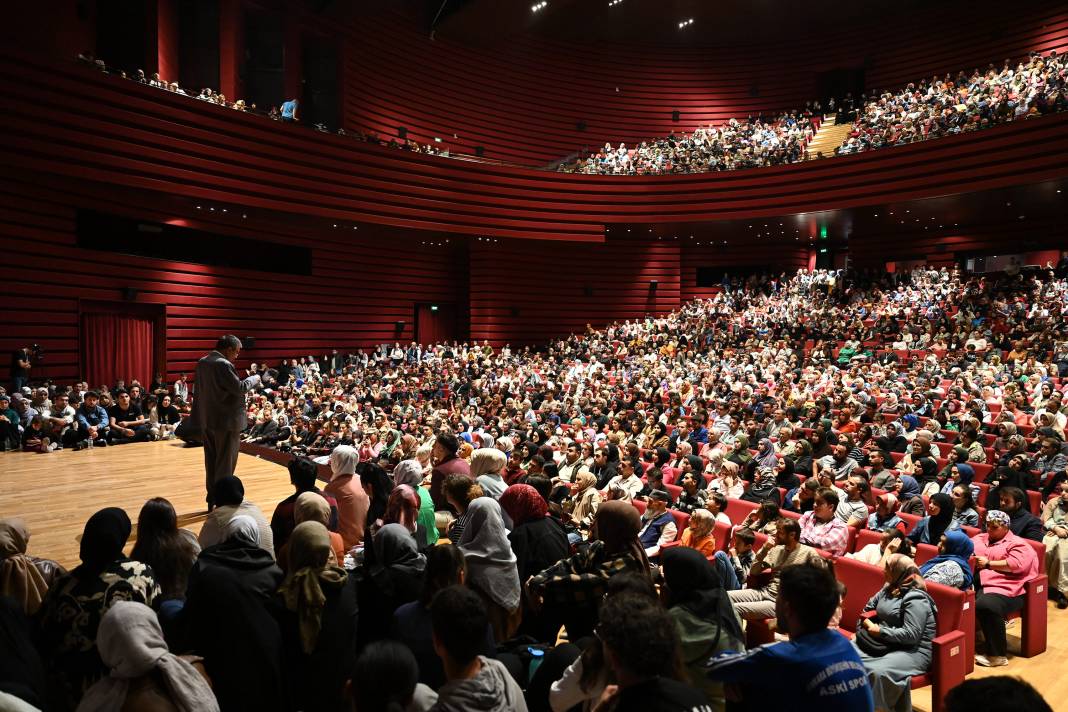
(662, 457)
(228, 491)
(694, 584)
(787, 479)
(928, 470)
(373, 475)
(937, 523)
(104, 536)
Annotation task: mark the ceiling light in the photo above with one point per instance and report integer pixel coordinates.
(685, 23)
(540, 6)
(613, 3)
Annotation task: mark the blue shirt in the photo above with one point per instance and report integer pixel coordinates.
(96, 416)
(289, 108)
(821, 672)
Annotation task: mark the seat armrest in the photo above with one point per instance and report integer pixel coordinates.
(948, 666)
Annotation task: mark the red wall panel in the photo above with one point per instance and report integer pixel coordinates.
(354, 297)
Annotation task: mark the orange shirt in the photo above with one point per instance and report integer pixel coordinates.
(706, 544)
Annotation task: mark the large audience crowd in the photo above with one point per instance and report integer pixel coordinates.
(602, 524)
(923, 110)
(967, 102)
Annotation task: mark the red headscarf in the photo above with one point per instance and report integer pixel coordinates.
(523, 504)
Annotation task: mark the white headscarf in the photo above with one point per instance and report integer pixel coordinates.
(487, 461)
(243, 527)
(491, 564)
(130, 642)
(343, 460)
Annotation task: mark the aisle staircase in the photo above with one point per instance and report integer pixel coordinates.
(829, 137)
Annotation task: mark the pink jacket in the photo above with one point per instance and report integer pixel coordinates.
(1020, 555)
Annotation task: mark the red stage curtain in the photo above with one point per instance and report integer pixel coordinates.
(118, 346)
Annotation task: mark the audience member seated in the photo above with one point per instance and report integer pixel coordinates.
(952, 567)
(1055, 523)
(127, 422)
(820, 528)
(783, 549)
(144, 673)
(895, 643)
(893, 541)
(807, 598)
(705, 620)
(475, 683)
(657, 524)
(1021, 522)
(491, 566)
(386, 677)
(317, 615)
(574, 586)
(302, 475)
(230, 502)
(70, 615)
(170, 551)
(1005, 563)
(24, 579)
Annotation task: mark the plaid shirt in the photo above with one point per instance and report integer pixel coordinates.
(830, 536)
(580, 579)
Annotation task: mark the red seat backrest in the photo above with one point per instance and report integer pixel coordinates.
(639, 505)
(865, 537)
(682, 520)
(861, 581)
(737, 510)
(981, 471)
(950, 603)
(673, 490)
(722, 533)
(910, 520)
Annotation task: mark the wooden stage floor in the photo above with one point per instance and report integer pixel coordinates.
(56, 493)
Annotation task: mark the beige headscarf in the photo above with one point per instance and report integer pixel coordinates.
(19, 578)
(311, 507)
(309, 571)
(487, 460)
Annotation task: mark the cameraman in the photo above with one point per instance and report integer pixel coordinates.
(21, 360)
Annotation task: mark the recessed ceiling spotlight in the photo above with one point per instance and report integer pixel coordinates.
(540, 6)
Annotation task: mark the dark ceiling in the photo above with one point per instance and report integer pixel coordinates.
(653, 22)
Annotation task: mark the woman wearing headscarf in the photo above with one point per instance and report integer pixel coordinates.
(538, 541)
(22, 671)
(885, 515)
(1015, 474)
(895, 644)
(410, 472)
(352, 502)
(952, 566)
(312, 507)
(1003, 442)
(728, 482)
(740, 454)
(763, 488)
(317, 615)
(960, 473)
(230, 620)
(144, 673)
(491, 565)
(698, 534)
(583, 500)
(486, 467)
(939, 519)
(241, 553)
(575, 585)
(377, 485)
(392, 576)
(785, 476)
(19, 576)
(705, 620)
(766, 455)
(908, 495)
(229, 497)
(895, 439)
(71, 611)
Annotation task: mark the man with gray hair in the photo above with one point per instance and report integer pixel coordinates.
(219, 410)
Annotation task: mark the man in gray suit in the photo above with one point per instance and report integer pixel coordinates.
(219, 410)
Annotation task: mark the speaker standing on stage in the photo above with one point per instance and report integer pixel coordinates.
(219, 409)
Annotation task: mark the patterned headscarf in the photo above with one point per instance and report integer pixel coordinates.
(996, 515)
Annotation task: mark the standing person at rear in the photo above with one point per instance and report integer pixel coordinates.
(219, 410)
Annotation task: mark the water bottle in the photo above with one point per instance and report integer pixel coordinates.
(537, 657)
(90, 442)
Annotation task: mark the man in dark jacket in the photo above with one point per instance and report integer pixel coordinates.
(1021, 522)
